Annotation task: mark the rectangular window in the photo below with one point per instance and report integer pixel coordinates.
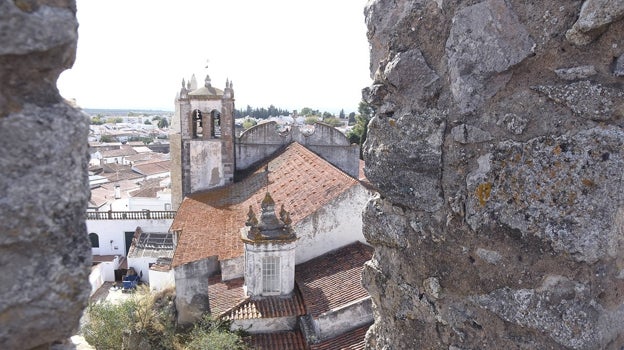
(271, 275)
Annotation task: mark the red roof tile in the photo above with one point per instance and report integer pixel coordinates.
(227, 299)
(152, 168)
(211, 221)
(352, 340)
(124, 150)
(224, 295)
(333, 279)
(277, 341)
(267, 307)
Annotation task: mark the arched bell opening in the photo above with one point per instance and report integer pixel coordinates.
(197, 124)
(215, 117)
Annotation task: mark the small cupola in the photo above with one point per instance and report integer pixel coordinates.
(269, 251)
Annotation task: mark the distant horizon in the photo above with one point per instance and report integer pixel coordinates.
(305, 54)
(172, 110)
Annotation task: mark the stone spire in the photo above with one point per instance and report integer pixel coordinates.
(183, 91)
(193, 82)
(228, 92)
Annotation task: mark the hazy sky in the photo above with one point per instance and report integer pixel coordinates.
(289, 53)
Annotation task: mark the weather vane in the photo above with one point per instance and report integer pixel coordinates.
(207, 61)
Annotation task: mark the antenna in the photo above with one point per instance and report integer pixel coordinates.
(266, 170)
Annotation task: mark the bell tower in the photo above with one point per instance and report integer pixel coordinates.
(201, 139)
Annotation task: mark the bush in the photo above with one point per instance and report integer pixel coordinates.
(145, 316)
(210, 333)
(106, 324)
(148, 319)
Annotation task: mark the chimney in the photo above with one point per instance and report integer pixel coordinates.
(117, 192)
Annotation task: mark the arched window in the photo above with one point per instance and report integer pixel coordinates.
(215, 117)
(197, 124)
(95, 240)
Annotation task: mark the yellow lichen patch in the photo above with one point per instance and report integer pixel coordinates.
(483, 192)
(557, 150)
(588, 182)
(392, 122)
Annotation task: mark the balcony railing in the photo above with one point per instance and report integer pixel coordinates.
(130, 215)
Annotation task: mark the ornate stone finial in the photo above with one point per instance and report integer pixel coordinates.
(252, 220)
(193, 81)
(188, 85)
(183, 83)
(267, 201)
(208, 81)
(285, 216)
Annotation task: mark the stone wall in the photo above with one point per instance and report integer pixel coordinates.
(497, 146)
(45, 253)
(191, 282)
(261, 141)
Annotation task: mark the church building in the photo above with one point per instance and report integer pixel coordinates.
(268, 230)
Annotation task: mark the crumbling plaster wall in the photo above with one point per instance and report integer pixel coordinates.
(497, 146)
(45, 253)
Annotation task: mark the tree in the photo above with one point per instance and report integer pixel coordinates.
(342, 114)
(306, 111)
(327, 115)
(358, 133)
(333, 121)
(351, 118)
(248, 123)
(97, 120)
(107, 138)
(163, 123)
(147, 122)
(311, 120)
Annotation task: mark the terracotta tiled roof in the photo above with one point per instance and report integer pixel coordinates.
(352, 340)
(124, 150)
(224, 295)
(211, 221)
(152, 168)
(227, 299)
(268, 307)
(146, 192)
(277, 341)
(150, 157)
(333, 279)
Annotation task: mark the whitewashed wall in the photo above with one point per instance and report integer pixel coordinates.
(253, 266)
(111, 233)
(141, 203)
(95, 278)
(160, 280)
(141, 265)
(335, 225)
(343, 319)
